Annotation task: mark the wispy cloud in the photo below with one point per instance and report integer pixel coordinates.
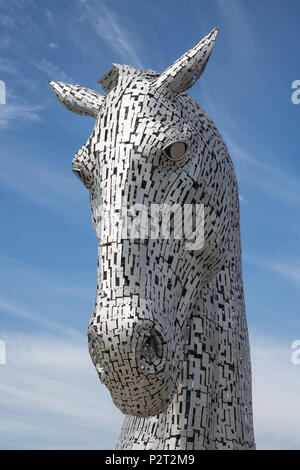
(290, 271)
(49, 15)
(51, 70)
(242, 35)
(111, 28)
(41, 184)
(48, 381)
(24, 113)
(8, 66)
(17, 110)
(5, 42)
(7, 21)
(36, 282)
(43, 299)
(14, 14)
(274, 181)
(220, 111)
(17, 309)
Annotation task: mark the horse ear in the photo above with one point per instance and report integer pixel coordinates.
(183, 73)
(78, 99)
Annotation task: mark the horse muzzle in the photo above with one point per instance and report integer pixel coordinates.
(134, 361)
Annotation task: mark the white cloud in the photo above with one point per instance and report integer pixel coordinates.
(50, 396)
(23, 113)
(17, 110)
(276, 388)
(53, 45)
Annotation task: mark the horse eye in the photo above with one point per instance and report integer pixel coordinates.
(77, 172)
(84, 176)
(175, 151)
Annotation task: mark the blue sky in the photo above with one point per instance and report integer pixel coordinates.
(48, 250)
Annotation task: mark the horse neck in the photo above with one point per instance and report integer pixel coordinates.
(212, 407)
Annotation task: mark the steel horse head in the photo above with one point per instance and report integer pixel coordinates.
(152, 145)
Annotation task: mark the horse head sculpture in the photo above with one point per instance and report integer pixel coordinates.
(152, 146)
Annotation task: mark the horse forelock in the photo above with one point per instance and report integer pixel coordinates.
(119, 73)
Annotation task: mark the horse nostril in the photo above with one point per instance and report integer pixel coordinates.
(96, 351)
(152, 354)
(152, 349)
